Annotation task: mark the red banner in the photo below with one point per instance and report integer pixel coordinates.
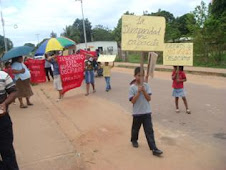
(92, 53)
(37, 70)
(71, 71)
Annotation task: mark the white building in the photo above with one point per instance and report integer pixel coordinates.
(105, 47)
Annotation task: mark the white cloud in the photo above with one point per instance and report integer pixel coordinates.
(44, 16)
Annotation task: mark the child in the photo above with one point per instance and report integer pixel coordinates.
(8, 70)
(140, 95)
(89, 74)
(179, 77)
(107, 75)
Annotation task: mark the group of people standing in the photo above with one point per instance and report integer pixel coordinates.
(17, 84)
(14, 83)
(89, 74)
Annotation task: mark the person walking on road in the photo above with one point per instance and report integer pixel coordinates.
(107, 75)
(140, 96)
(7, 96)
(89, 74)
(179, 77)
(56, 76)
(48, 68)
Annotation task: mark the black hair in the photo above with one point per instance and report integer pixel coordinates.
(7, 63)
(16, 59)
(181, 68)
(137, 71)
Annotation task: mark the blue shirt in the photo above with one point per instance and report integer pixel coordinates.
(47, 64)
(142, 106)
(19, 66)
(56, 70)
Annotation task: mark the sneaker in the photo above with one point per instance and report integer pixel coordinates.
(188, 111)
(135, 144)
(157, 152)
(177, 111)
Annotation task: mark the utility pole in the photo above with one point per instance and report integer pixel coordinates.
(84, 27)
(3, 28)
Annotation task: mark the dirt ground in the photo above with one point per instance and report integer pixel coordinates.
(93, 133)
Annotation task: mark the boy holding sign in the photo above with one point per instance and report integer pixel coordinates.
(107, 75)
(140, 96)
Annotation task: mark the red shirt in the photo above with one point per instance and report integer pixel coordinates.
(9, 71)
(178, 85)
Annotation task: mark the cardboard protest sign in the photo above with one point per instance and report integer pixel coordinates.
(106, 58)
(71, 71)
(143, 33)
(37, 70)
(178, 54)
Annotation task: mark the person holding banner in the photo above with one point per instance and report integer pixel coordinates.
(179, 77)
(48, 68)
(56, 76)
(22, 78)
(140, 96)
(107, 75)
(89, 74)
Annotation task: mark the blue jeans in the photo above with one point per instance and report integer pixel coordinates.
(108, 85)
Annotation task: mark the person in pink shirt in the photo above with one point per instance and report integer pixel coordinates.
(179, 77)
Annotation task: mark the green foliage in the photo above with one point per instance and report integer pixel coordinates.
(117, 31)
(2, 44)
(29, 45)
(53, 35)
(101, 33)
(78, 26)
(218, 7)
(209, 35)
(71, 33)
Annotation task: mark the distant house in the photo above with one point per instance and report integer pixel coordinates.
(105, 47)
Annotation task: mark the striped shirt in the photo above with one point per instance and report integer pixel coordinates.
(6, 87)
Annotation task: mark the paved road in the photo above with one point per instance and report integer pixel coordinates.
(207, 121)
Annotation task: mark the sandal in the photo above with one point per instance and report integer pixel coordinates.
(86, 94)
(30, 104)
(188, 111)
(23, 106)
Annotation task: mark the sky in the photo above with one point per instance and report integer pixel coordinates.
(30, 21)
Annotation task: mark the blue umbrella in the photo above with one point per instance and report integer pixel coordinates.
(16, 52)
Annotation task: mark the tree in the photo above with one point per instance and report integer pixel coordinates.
(183, 23)
(72, 33)
(53, 35)
(78, 25)
(101, 33)
(118, 29)
(29, 45)
(172, 30)
(218, 7)
(2, 44)
(168, 16)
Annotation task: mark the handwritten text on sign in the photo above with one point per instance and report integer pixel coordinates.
(178, 54)
(143, 33)
(37, 70)
(71, 71)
